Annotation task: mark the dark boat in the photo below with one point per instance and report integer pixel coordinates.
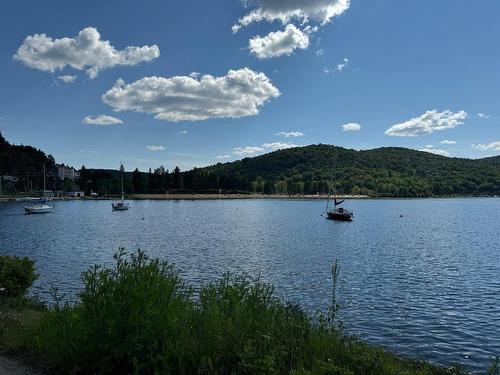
(338, 213)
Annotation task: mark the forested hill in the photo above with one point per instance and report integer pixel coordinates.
(21, 160)
(388, 171)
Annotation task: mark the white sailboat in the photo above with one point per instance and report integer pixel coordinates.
(121, 205)
(41, 207)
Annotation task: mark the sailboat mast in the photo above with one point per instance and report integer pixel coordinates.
(44, 180)
(121, 174)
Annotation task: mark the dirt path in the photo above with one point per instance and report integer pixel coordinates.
(9, 366)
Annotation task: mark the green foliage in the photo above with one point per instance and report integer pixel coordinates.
(16, 275)
(139, 317)
(495, 367)
(22, 161)
(387, 172)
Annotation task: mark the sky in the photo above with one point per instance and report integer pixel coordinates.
(193, 83)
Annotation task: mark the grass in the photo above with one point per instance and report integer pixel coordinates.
(139, 317)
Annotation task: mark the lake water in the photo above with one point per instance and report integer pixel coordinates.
(426, 284)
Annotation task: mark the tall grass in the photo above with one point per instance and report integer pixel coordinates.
(139, 317)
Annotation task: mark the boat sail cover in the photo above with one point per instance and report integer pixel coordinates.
(336, 202)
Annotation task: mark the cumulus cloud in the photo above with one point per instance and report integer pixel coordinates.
(427, 123)
(247, 150)
(67, 78)
(321, 11)
(101, 120)
(351, 127)
(435, 151)
(253, 150)
(86, 51)
(279, 43)
(483, 115)
(155, 148)
(240, 93)
(448, 142)
(226, 156)
(274, 146)
(290, 134)
(492, 146)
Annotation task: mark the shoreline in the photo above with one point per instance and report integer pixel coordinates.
(196, 196)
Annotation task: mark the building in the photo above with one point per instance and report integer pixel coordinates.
(10, 178)
(75, 194)
(64, 172)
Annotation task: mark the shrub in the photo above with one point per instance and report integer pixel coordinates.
(138, 317)
(16, 275)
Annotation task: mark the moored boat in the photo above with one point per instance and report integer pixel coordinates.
(121, 205)
(339, 213)
(41, 207)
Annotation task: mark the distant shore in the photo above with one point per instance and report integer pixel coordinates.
(198, 196)
(233, 196)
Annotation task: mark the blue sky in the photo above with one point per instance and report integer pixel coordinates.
(396, 73)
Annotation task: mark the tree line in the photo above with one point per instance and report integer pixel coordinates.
(317, 169)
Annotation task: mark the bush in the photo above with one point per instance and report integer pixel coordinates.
(16, 275)
(138, 317)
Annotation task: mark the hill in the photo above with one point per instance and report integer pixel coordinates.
(22, 161)
(387, 171)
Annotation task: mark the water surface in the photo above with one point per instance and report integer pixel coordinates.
(425, 284)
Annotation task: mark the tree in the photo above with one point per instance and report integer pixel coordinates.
(137, 182)
(178, 179)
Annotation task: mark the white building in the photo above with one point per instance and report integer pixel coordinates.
(64, 172)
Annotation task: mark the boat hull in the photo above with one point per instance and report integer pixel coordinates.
(119, 207)
(339, 216)
(38, 210)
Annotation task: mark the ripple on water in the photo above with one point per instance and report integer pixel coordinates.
(425, 285)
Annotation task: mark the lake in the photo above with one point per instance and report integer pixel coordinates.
(425, 284)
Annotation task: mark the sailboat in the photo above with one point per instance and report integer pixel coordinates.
(339, 213)
(121, 205)
(41, 207)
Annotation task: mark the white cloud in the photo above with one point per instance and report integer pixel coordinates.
(253, 150)
(320, 52)
(483, 115)
(183, 132)
(240, 93)
(435, 151)
(247, 150)
(448, 142)
(67, 78)
(344, 64)
(492, 146)
(351, 127)
(155, 148)
(279, 43)
(321, 11)
(86, 51)
(223, 156)
(274, 146)
(427, 123)
(101, 120)
(290, 134)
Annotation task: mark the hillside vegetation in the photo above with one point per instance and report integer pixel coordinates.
(388, 171)
(22, 161)
(384, 172)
